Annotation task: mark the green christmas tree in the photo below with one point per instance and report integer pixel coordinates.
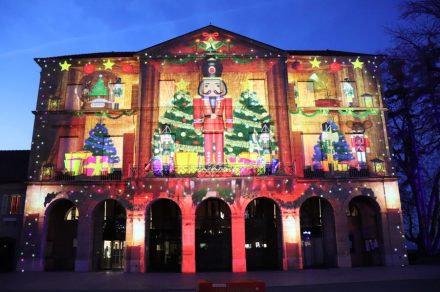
(99, 89)
(100, 143)
(249, 114)
(180, 117)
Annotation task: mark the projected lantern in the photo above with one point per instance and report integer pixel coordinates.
(379, 166)
(47, 171)
(54, 103)
(367, 100)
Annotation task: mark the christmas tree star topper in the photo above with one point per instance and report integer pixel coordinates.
(247, 85)
(108, 65)
(65, 66)
(211, 44)
(315, 63)
(357, 64)
(182, 85)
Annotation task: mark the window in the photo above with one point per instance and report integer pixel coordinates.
(72, 214)
(305, 94)
(349, 95)
(11, 204)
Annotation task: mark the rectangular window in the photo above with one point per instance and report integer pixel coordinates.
(259, 87)
(117, 94)
(349, 96)
(14, 204)
(66, 145)
(305, 94)
(73, 97)
(166, 95)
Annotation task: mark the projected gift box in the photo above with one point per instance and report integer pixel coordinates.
(74, 161)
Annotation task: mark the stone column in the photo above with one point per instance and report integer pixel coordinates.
(84, 241)
(292, 256)
(188, 243)
(238, 243)
(135, 242)
(342, 240)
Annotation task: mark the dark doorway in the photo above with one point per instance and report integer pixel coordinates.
(61, 237)
(7, 254)
(364, 229)
(263, 235)
(164, 233)
(213, 236)
(109, 236)
(318, 233)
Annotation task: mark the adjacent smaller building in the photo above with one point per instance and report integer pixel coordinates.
(12, 194)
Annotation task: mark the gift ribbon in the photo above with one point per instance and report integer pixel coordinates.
(207, 35)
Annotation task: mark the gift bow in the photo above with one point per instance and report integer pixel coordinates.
(207, 35)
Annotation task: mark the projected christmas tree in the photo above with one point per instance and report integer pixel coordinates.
(331, 146)
(100, 143)
(180, 117)
(249, 115)
(99, 89)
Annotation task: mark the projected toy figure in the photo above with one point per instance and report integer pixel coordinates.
(213, 112)
(359, 140)
(166, 148)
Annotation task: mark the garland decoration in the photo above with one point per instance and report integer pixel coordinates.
(325, 111)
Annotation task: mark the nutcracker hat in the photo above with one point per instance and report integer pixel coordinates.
(265, 128)
(166, 129)
(212, 68)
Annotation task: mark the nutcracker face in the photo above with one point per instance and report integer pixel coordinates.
(212, 87)
(265, 138)
(166, 139)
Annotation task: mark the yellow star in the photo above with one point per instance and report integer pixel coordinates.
(65, 66)
(247, 85)
(211, 44)
(357, 64)
(315, 63)
(108, 65)
(182, 85)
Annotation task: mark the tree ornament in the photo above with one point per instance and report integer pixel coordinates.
(89, 68)
(298, 66)
(127, 68)
(335, 67)
(357, 64)
(65, 66)
(108, 65)
(315, 63)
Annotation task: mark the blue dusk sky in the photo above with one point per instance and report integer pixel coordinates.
(45, 28)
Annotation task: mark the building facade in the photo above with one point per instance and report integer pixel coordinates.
(210, 152)
(13, 176)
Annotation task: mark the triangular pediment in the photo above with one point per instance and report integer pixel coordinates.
(211, 39)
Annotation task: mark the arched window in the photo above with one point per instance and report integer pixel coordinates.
(72, 214)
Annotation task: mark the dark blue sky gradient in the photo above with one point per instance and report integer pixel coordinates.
(43, 28)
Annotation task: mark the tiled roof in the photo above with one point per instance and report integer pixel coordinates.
(14, 165)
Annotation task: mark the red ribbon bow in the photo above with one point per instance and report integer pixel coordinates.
(207, 35)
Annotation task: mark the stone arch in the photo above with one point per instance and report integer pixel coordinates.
(60, 238)
(163, 235)
(263, 234)
(213, 236)
(318, 236)
(365, 231)
(109, 222)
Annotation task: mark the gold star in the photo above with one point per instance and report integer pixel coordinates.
(211, 44)
(65, 66)
(357, 64)
(315, 63)
(247, 85)
(108, 65)
(182, 85)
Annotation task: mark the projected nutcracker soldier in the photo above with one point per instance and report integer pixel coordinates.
(213, 112)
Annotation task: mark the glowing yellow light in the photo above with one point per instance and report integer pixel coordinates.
(138, 232)
(392, 196)
(290, 230)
